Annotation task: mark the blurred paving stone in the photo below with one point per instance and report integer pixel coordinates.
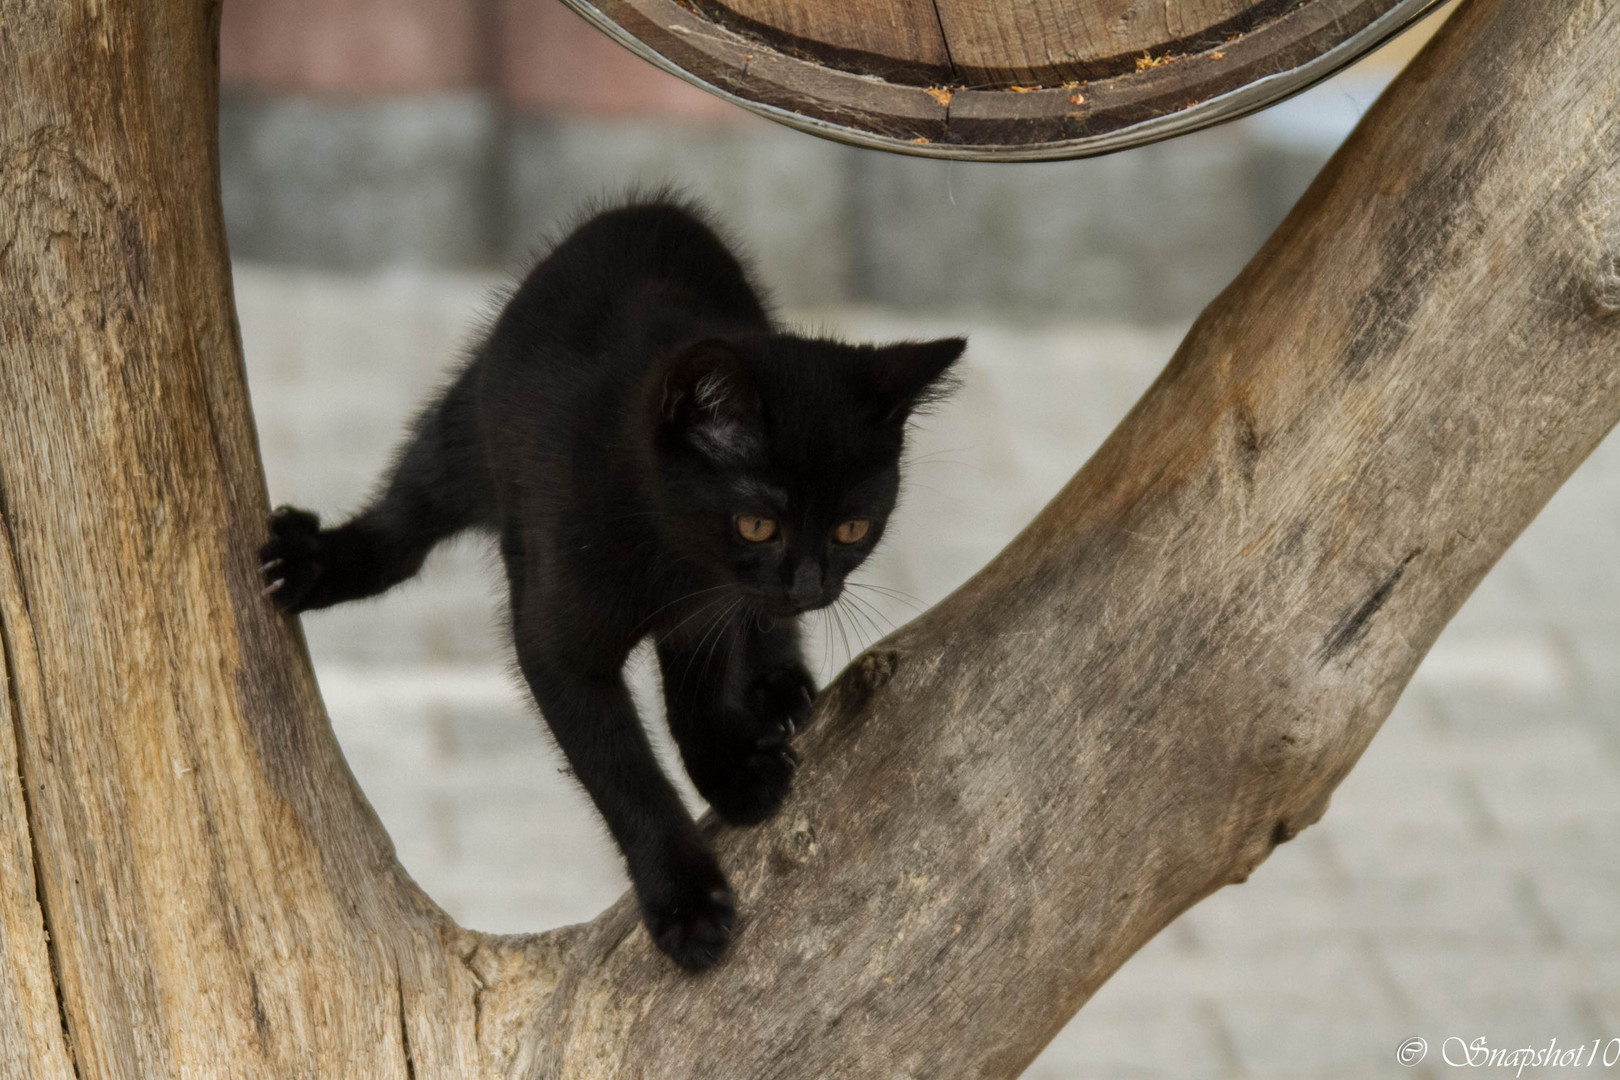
(1581, 902)
(1132, 1042)
(1597, 662)
(1298, 1039)
(1513, 995)
(1500, 664)
(1469, 906)
(1150, 235)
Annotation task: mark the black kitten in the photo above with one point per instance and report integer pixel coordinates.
(657, 459)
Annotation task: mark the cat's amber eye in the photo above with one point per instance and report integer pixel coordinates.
(756, 530)
(851, 531)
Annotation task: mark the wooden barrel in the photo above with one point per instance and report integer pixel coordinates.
(1002, 79)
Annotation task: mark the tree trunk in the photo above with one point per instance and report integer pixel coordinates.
(1164, 676)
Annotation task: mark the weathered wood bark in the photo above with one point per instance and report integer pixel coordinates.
(1166, 674)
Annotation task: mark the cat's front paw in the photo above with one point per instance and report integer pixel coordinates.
(691, 918)
(748, 780)
(748, 787)
(291, 558)
(782, 697)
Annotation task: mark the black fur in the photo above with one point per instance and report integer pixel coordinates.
(633, 400)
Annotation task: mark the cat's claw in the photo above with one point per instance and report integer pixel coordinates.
(801, 706)
(784, 696)
(291, 558)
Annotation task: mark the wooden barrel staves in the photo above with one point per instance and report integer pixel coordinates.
(1002, 79)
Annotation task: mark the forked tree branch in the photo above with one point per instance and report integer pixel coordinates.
(1165, 675)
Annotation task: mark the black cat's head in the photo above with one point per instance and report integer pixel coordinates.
(779, 456)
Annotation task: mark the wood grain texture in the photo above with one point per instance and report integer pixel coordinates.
(1053, 40)
(32, 1029)
(899, 40)
(1053, 79)
(982, 43)
(1162, 678)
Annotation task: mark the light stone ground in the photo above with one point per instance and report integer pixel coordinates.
(1465, 882)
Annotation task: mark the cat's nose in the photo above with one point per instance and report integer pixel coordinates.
(806, 587)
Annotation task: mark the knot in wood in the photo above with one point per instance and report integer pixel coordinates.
(1605, 297)
(876, 669)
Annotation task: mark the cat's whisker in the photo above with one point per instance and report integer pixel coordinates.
(913, 602)
(703, 608)
(715, 609)
(877, 613)
(842, 633)
(708, 627)
(947, 461)
(672, 631)
(939, 455)
(887, 589)
(855, 627)
(942, 450)
(724, 633)
(935, 491)
(719, 623)
(828, 661)
(858, 609)
(866, 631)
(825, 667)
(682, 599)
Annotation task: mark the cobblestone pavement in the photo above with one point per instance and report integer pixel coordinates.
(1465, 882)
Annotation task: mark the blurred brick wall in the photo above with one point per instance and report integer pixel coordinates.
(534, 55)
(551, 60)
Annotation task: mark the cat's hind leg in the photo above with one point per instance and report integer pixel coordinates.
(435, 489)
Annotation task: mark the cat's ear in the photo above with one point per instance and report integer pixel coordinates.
(707, 393)
(914, 374)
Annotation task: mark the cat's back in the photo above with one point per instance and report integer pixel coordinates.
(622, 265)
(558, 371)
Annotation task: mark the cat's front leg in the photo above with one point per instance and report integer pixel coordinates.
(732, 710)
(686, 903)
